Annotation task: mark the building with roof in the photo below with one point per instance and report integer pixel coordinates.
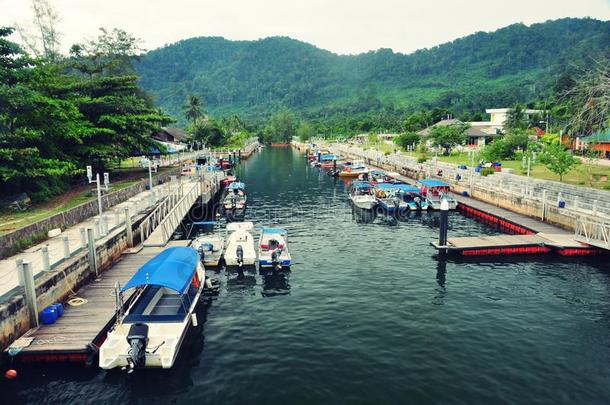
(600, 142)
(476, 137)
(172, 135)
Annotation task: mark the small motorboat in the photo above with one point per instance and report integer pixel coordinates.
(234, 201)
(435, 191)
(412, 196)
(239, 250)
(390, 198)
(209, 245)
(150, 332)
(353, 170)
(362, 196)
(273, 249)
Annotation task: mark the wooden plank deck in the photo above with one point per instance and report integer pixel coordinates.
(81, 325)
(490, 242)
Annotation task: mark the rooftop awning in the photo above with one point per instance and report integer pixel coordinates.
(236, 186)
(361, 184)
(405, 188)
(173, 268)
(433, 183)
(278, 231)
(598, 137)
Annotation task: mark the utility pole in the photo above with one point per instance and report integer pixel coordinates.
(99, 186)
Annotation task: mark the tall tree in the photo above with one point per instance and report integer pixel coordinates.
(43, 39)
(448, 136)
(590, 97)
(193, 108)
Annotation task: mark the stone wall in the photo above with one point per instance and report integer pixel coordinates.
(73, 216)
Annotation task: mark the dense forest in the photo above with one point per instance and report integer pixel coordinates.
(374, 90)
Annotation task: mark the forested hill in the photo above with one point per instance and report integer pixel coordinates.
(517, 63)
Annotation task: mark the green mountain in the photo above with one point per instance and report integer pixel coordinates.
(517, 63)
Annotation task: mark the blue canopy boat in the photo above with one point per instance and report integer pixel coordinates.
(151, 331)
(435, 191)
(362, 196)
(234, 201)
(390, 197)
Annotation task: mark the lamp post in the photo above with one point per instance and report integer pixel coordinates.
(99, 186)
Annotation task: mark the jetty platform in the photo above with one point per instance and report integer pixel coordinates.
(77, 335)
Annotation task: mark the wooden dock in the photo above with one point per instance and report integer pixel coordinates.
(78, 333)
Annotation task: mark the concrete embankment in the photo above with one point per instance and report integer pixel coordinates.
(553, 202)
(65, 278)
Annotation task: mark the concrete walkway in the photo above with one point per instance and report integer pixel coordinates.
(72, 240)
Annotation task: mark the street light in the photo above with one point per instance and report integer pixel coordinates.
(99, 187)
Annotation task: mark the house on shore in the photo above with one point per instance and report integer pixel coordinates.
(476, 137)
(171, 138)
(599, 142)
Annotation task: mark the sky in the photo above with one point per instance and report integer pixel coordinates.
(341, 26)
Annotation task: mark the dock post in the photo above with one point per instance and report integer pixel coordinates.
(83, 237)
(319, 157)
(334, 165)
(27, 278)
(104, 225)
(66, 244)
(239, 156)
(46, 262)
(543, 208)
(91, 245)
(307, 154)
(128, 228)
(444, 227)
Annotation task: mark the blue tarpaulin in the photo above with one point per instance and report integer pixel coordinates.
(433, 183)
(173, 268)
(236, 186)
(405, 188)
(275, 230)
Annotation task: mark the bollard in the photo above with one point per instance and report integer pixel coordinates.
(66, 244)
(91, 245)
(444, 226)
(83, 238)
(334, 166)
(128, 228)
(239, 157)
(30, 290)
(46, 262)
(319, 157)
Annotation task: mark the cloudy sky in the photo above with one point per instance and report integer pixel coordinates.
(342, 26)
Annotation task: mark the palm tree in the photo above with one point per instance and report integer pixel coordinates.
(517, 118)
(193, 108)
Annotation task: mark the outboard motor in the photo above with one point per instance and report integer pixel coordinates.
(138, 340)
(240, 255)
(417, 201)
(275, 258)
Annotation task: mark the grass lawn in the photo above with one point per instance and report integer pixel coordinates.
(582, 174)
(11, 220)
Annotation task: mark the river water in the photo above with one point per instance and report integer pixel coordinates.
(369, 314)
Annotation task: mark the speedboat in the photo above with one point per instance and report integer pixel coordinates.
(353, 170)
(362, 196)
(234, 200)
(436, 191)
(240, 245)
(273, 249)
(390, 198)
(412, 196)
(150, 332)
(210, 246)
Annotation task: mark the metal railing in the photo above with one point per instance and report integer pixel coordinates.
(591, 232)
(576, 200)
(150, 223)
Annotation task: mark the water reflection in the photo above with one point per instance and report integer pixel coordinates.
(361, 216)
(275, 282)
(241, 280)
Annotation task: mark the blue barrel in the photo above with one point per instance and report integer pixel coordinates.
(478, 169)
(562, 204)
(48, 315)
(59, 308)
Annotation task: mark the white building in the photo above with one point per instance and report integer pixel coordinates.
(498, 117)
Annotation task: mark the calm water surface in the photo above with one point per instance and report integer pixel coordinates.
(369, 314)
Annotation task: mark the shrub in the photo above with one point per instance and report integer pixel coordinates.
(486, 171)
(422, 159)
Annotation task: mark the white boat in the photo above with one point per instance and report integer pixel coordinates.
(239, 250)
(362, 196)
(210, 246)
(149, 334)
(273, 248)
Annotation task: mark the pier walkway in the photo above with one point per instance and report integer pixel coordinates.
(77, 335)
